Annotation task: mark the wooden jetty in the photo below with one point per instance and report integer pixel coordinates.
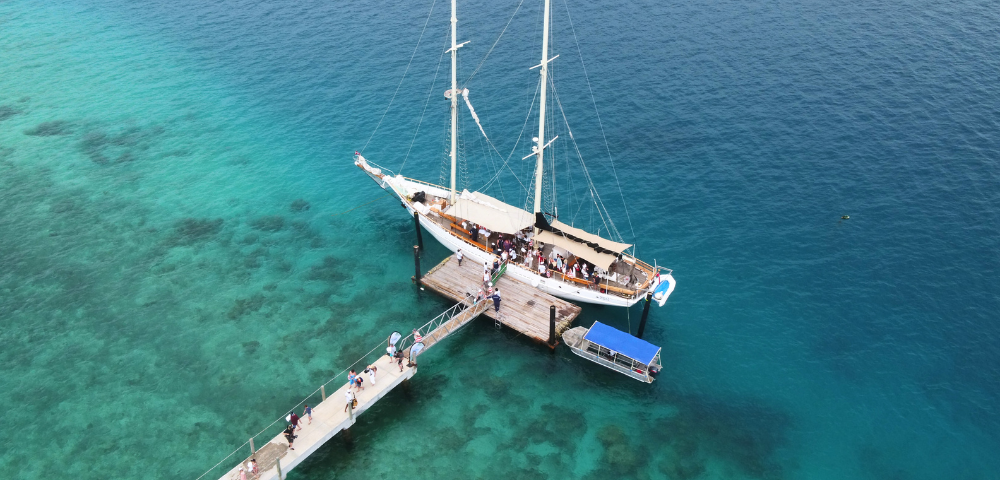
(275, 459)
(329, 418)
(522, 307)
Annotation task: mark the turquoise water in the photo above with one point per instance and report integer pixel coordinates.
(165, 294)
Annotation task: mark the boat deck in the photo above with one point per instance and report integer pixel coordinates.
(522, 307)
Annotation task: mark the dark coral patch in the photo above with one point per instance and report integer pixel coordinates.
(270, 223)
(191, 230)
(7, 111)
(49, 129)
(299, 205)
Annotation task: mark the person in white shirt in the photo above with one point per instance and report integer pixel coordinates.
(350, 399)
(459, 256)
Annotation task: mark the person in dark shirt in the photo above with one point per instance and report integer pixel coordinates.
(295, 421)
(496, 300)
(290, 436)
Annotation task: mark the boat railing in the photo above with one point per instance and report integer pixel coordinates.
(616, 359)
(430, 327)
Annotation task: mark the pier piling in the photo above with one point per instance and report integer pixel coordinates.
(552, 326)
(645, 313)
(416, 264)
(416, 224)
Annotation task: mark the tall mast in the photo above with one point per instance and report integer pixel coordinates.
(540, 147)
(454, 97)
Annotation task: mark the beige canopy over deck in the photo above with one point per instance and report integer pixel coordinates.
(590, 237)
(603, 260)
(490, 213)
(597, 250)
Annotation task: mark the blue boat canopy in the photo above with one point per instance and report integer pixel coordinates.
(621, 342)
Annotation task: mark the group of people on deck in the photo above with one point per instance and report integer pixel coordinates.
(521, 248)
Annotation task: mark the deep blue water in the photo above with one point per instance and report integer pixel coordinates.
(161, 299)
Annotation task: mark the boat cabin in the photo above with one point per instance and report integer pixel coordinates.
(616, 350)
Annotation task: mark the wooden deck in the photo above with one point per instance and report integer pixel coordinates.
(522, 307)
(329, 418)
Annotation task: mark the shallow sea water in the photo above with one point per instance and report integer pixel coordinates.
(174, 274)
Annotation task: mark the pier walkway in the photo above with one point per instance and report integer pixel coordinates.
(522, 307)
(275, 459)
(329, 419)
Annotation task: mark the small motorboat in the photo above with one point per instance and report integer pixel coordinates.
(616, 350)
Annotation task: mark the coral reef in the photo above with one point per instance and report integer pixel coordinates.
(49, 129)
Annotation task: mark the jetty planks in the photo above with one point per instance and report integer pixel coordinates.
(522, 307)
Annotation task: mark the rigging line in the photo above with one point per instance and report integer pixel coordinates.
(427, 101)
(414, 54)
(596, 197)
(599, 122)
(474, 72)
(527, 117)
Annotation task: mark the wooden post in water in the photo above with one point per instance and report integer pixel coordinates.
(253, 451)
(552, 326)
(416, 264)
(278, 464)
(322, 391)
(645, 313)
(416, 223)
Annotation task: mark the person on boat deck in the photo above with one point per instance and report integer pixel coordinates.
(474, 233)
(541, 268)
(512, 256)
(503, 256)
(496, 266)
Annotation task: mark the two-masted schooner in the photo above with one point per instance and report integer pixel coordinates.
(552, 256)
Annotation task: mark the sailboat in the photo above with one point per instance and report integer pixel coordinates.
(587, 267)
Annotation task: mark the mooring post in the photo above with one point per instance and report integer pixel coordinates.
(645, 313)
(278, 464)
(322, 391)
(253, 451)
(552, 326)
(416, 264)
(416, 224)
(350, 410)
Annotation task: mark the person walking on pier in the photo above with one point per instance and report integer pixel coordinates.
(295, 421)
(290, 436)
(308, 412)
(371, 369)
(496, 300)
(350, 399)
(459, 256)
(399, 359)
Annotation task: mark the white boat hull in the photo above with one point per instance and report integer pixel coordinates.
(403, 188)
